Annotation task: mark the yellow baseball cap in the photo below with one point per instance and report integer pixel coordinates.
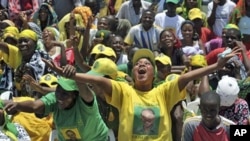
(144, 53)
(194, 13)
(107, 51)
(198, 61)
(104, 66)
(48, 80)
(164, 59)
(97, 49)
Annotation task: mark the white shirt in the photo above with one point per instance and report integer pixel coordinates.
(222, 15)
(127, 11)
(166, 22)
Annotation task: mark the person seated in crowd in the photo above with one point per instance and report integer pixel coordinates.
(191, 44)
(232, 107)
(45, 16)
(26, 59)
(169, 19)
(70, 98)
(210, 125)
(145, 34)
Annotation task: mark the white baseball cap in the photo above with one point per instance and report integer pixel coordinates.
(228, 90)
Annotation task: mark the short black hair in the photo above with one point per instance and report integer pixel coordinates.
(210, 96)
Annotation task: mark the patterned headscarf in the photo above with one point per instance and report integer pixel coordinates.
(36, 28)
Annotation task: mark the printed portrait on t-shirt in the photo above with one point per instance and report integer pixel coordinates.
(146, 120)
(71, 134)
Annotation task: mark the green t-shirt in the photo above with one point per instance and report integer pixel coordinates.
(82, 122)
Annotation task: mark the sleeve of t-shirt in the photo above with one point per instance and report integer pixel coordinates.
(172, 92)
(119, 91)
(129, 39)
(49, 101)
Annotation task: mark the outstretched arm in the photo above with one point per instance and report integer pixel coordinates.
(101, 82)
(25, 106)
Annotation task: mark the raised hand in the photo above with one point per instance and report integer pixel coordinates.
(66, 71)
(69, 71)
(35, 86)
(223, 60)
(53, 66)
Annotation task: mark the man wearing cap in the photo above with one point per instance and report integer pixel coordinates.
(218, 14)
(205, 34)
(131, 100)
(74, 107)
(170, 19)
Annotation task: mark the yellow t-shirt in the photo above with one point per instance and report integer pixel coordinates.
(38, 128)
(144, 115)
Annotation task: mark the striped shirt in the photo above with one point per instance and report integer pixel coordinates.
(146, 39)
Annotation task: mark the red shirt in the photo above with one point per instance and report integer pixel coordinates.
(201, 134)
(212, 56)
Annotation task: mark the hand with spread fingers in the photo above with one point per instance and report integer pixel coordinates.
(35, 86)
(66, 71)
(223, 60)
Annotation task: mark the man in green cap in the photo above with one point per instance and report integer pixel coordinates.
(74, 108)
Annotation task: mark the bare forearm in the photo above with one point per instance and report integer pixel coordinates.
(29, 107)
(85, 92)
(103, 83)
(195, 74)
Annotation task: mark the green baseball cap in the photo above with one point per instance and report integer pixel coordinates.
(67, 84)
(173, 1)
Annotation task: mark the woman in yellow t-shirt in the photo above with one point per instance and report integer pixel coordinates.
(131, 101)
